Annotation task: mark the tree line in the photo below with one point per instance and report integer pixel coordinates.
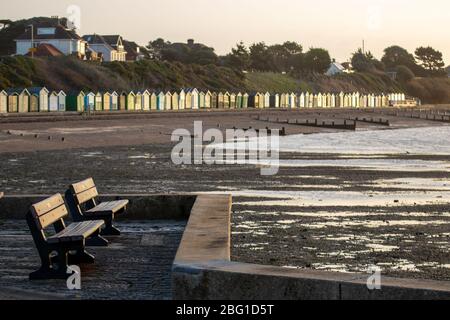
(290, 57)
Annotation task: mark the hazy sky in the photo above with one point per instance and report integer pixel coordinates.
(339, 26)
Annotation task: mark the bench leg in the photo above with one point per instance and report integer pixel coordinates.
(81, 257)
(47, 272)
(109, 229)
(96, 240)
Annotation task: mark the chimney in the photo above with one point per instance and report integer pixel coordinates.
(190, 42)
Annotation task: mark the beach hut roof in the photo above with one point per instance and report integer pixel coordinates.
(37, 90)
(16, 91)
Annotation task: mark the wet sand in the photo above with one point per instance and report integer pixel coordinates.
(332, 211)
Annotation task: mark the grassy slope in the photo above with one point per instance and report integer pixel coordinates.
(68, 73)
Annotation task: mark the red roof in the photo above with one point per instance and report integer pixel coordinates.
(46, 50)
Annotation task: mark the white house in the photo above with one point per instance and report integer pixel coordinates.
(335, 68)
(110, 47)
(65, 40)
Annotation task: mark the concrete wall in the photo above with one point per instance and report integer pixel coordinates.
(141, 207)
(202, 269)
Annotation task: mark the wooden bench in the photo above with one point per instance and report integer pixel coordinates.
(65, 240)
(82, 204)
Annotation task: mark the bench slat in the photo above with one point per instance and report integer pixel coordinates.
(87, 195)
(108, 207)
(49, 211)
(82, 186)
(48, 204)
(76, 231)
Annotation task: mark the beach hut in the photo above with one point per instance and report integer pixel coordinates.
(160, 101)
(146, 100)
(283, 100)
(89, 101)
(385, 100)
(138, 101)
(328, 100)
(114, 101)
(175, 101)
(267, 100)
(245, 100)
(301, 100)
(188, 101)
(62, 101)
(333, 101)
(220, 100)
(131, 101)
(307, 100)
(371, 101)
(38, 99)
(315, 101)
(24, 101)
(239, 100)
(123, 97)
(13, 100)
(292, 100)
(201, 100)
(214, 98)
(208, 98)
(232, 100)
(253, 100)
(311, 100)
(182, 100)
(194, 98)
(261, 101)
(98, 102)
(274, 101)
(168, 101)
(226, 100)
(106, 101)
(53, 101)
(319, 101)
(3, 101)
(341, 99)
(153, 101)
(75, 101)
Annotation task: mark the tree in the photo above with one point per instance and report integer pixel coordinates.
(239, 57)
(404, 74)
(397, 56)
(430, 59)
(317, 60)
(283, 56)
(260, 57)
(362, 62)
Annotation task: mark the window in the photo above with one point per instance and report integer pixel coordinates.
(46, 31)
